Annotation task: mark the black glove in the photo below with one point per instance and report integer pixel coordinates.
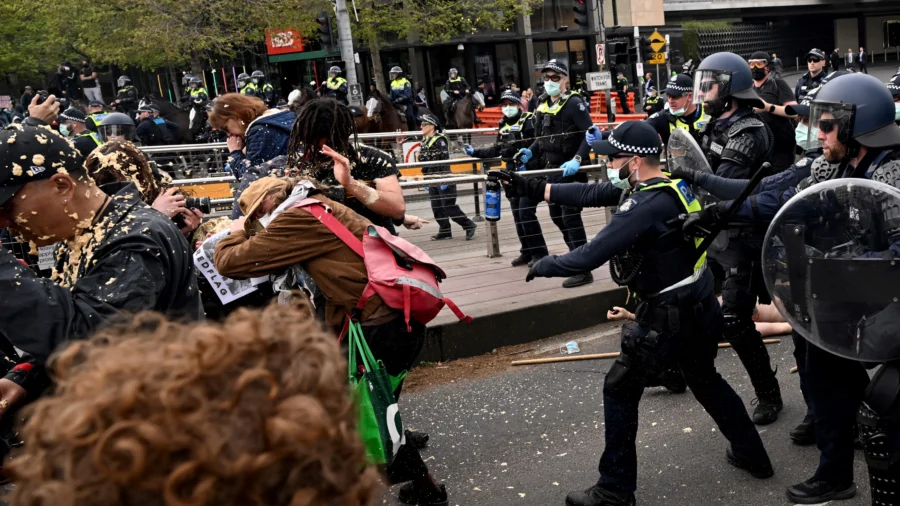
(700, 224)
(517, 186)
(689, 176)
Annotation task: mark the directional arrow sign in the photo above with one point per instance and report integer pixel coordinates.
(657, 41)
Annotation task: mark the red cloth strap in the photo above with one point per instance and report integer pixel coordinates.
(459, 314)
(317, 209)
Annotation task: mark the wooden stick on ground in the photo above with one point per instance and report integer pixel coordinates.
(793, 369)
(601, 356)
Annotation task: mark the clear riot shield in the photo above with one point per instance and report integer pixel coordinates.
(684, 152)
(831, 262)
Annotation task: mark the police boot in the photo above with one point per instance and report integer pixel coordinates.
(599, 496)
(423, 493)
(816, 491)
(578, 280)
(768, 404)
(759, 469)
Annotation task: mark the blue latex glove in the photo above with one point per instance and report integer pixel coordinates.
(520, 168)
(589, 135)
(444, 187)
(570, 168)
(468, 149)
(524, 155)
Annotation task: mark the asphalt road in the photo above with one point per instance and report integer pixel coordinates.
(529, 435)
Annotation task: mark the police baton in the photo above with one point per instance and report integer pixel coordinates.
(722, 223)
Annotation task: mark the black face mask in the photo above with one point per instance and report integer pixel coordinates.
(758, 74)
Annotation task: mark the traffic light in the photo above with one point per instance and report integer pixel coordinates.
(646, 49)
(326, 34)
(618, 53)
(581, 13)
(632, 54)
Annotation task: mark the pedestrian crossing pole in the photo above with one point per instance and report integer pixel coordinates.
(345, 38)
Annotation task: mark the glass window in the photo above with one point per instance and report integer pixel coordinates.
(508, 58)
(541, 55)
(578, 57)
(542, 18)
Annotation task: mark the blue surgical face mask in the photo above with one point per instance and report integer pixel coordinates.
(896, 111)
(510, 111)
(64, 130)
(552, 89)
(613, 175)
(801, 135)
(679, 113)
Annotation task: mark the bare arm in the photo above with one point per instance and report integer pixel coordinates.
(385, 199)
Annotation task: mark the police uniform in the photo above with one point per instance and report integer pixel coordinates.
(443, 197)
(267, 92)
(678, 320)
(652, 104)
(148, 132)
(809, 82)
(402, 97)
(86, 142)
(453, 85)
(515, 133)
(93, 120)
(559, 129)
(837, 386)
(250, 89)
(736, 147)
(665, 121)
(128, 100)
(622, 91)
(337, 89)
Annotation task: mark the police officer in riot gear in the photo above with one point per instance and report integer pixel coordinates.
(401, 96)
(852, 117)
(517, 132)
(127, 98)
(264, 89)
(683, 113)
(116, 126)
(815, 63)
(560, 121)
(678, 320)
(196, 93)
(736, 143)
(245, 85)
(456, 88)
(336, 85)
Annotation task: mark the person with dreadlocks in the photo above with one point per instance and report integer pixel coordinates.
(372, 188)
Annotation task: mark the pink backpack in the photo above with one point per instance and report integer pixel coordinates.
(399, 272)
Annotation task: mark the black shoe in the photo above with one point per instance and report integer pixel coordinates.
(814, 491)
(521, 260)
(442, 236)
(418, 440)
(759, 470)
(598, 496)
(470, 232)
(804, 434)
(578, 280)
(421, 494)
(767, 408)
(533, 261)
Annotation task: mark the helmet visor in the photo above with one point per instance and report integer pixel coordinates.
(710, 85)
(116, 132)
(830, 120)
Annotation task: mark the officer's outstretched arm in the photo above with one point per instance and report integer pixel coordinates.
(584, 195)
(623, 230)
(761, 207)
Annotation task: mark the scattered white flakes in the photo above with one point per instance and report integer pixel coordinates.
(563, 454)
(12, 139)
(477, 489)
(41, 138)
(521, 494)
(687, 430)
(555, 483)
(111, 281)
(653, 424)
(502, 464)
(37, 159)
(16, 169)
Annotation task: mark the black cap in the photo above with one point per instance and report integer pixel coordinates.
(817, 53)
(73, 114)
(759, 55)
(95, 103)
(512, 96)
(631, 137)
(556, 66)
(29, 153)
(679, 84)
(154, 107)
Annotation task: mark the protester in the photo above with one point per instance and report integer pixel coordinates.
(274, 235)
(255, 134)
(769, 321)
(775, 94)
(160, 413)
(835, 59)
(90, 82)
(67, 81)
(372, 188)
(25, 101)
(420, 99)
(116, 256)
(777, 66)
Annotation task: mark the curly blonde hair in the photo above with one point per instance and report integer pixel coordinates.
(255, 411)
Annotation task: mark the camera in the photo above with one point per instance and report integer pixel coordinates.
(201, 204)
(40, 96)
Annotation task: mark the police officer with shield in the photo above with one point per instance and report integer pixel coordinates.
(813, 250)
(678, 320)
(737, 143)
(560, 121)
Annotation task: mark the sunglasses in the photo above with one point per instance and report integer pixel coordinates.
(758, 64)
(707, 86)
(827, 125)
(813, 60)
(555, 78)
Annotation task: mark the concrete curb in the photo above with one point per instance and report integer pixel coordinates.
(456, 340)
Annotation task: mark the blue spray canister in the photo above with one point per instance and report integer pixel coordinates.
(492, 199)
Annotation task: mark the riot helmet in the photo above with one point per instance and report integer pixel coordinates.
(242, 79)
(721, 78)
(396, 72)
(861, 108)
(334, 71)
(196, 82)
(453, 73)
(258, 77)
(123, 81)
(186, 80)
(116, 126)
